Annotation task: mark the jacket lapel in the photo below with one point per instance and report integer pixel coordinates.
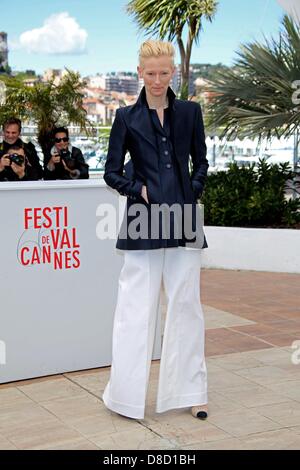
(142, 125)
(141, 121)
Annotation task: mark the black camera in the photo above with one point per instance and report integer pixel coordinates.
(66, 156)
(16, 158)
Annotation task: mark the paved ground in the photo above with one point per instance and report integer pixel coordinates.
(252, 320)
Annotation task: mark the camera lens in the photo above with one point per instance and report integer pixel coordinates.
(17, 159)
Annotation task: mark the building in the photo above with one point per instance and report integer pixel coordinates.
(54, 74)
(121, 82)
(100, 110)
(31, 81)
(101, 105)
(3, 50)
(96, 81)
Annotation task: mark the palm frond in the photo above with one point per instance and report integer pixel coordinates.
(46, 104)
(255, 97)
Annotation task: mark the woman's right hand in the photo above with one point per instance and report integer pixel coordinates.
(55, 158)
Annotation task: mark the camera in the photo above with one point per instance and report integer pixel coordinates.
(16, 158)
(65, 155)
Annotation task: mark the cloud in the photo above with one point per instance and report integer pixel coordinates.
(13, 44)
(60, 34)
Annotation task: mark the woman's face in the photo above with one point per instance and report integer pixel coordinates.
(61, 141)
(157, 73)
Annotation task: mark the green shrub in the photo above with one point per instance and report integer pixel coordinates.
(251, 197)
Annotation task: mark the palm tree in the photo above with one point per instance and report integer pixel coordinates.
(167, 20)
(45, 104)
(255, 97)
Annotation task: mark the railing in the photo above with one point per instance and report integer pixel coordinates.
(94, 146)
(95, 131)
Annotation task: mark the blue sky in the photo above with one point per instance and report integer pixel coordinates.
(98, 36)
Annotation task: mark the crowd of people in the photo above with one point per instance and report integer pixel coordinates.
(19, 160)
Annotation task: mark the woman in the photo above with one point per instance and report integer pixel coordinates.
(65, 161)
(160, 133)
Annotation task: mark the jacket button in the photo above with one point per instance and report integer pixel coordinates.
(164, 139)
(166, 152)
(168, 165)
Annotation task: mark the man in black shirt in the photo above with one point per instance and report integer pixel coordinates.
(11, 136)
(15, 166)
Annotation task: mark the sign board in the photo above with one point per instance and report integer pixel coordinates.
(58, 280)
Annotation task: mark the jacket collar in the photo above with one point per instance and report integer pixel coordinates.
(142, 101)
(142, 120)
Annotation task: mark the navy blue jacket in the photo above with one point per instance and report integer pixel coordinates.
(132, 132)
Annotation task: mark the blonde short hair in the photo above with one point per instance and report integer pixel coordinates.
(154, 48)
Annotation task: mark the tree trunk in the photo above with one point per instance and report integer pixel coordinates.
(189, 46)
(185, 57)
(45, 139)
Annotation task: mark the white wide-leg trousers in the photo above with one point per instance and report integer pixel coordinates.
(182, 374)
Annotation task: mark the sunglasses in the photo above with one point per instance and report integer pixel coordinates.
(62, 139)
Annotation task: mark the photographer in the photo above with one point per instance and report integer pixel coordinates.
(11, 136)
(15, 166)
(64, 161)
